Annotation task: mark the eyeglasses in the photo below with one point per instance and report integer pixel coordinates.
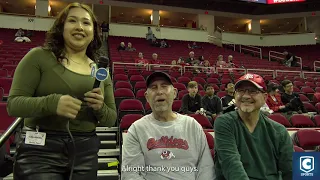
(251, 92)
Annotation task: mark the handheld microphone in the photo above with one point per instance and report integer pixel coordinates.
(101, 73)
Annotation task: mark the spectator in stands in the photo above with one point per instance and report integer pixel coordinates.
(194, 46)
(165, 139)
(105, 30)
(230, 63)
(274, 99)
(290, 99)
(220, 62)
(249, 145)
(155, 59)
(173, 67)
(290, 60)
(150, 35)
(211, 103)
(21, 37)
(228, 99)
(155, 42)
(208, 69)
(71, 47)
(130, 48)
(191, 58)
(122, 47)
(164, 44)
(140, 60)
(191, 102)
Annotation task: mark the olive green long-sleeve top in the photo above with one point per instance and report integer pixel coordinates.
(38, 83)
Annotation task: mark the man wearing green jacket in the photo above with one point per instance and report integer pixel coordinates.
(249, 145)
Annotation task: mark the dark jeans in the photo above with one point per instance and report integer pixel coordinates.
(53, 160)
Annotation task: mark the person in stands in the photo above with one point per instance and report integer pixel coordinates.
(155, 59)
(228, 99)
(290, 60)
(53, 112)
(191, 58)
(290, 99)
(122, 47)
(220, 62)
(105, 30)
(249, 145)
(140, 61)
(274, 99)
(191, 102)
(21, 36)
(130, 47)
(211, 103)
(165, 139)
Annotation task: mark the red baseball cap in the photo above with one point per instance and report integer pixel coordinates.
(255, 79)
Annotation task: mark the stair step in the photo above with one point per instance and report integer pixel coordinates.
(108, 145)
(109, 152)
(103, 163)
(102, 175)
(107, 136)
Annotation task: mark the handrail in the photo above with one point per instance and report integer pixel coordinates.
(164, 65)
(281, 58)
(122, 63)
(212, 69)
(260, 50)
(315, 67)
(265, 70)
(6, 135)
(225, 42)
(287, 71)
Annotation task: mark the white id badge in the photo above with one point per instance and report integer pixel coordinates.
(35, 138)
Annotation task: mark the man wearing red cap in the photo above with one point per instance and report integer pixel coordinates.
(249, 145)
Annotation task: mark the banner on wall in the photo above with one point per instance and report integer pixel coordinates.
(274, 1)
(283, 1)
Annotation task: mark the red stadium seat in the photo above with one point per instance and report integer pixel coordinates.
(202, 120)
(307, 139)
(279, 118)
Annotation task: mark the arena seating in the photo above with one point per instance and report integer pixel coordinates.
(129, 84)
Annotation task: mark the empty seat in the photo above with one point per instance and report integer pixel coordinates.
(128, 119)
(300, 120)
(176, 105)
(202, 120)
(123, 84)
(130, 106)
(309, 107)
(120, 77)
(121, 94)
(5, 83)
(307, 139)
(279, 118)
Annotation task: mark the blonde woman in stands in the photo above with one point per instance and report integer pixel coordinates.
(220, 62)
(53, 90)
(21, 37)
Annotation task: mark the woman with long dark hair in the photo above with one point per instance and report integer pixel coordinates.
(53, 91)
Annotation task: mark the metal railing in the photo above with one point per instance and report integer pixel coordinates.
(306, 74)
(215, 40)
(213, 69)
(6, 135)
(263, 72)
(286, 72)
(257, 50)
(163, 67)
(316, 67)
(282, 58)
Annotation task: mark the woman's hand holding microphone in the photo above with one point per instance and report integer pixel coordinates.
(69, 106)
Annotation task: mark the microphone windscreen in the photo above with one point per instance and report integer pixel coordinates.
(103, 62)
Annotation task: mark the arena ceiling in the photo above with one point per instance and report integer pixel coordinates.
(226, 23)
(237, 6)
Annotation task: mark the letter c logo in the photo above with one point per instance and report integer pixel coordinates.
(306, 164)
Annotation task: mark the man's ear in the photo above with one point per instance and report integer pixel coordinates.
(175, 92)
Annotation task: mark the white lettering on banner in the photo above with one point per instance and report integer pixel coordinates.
(284, 1)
